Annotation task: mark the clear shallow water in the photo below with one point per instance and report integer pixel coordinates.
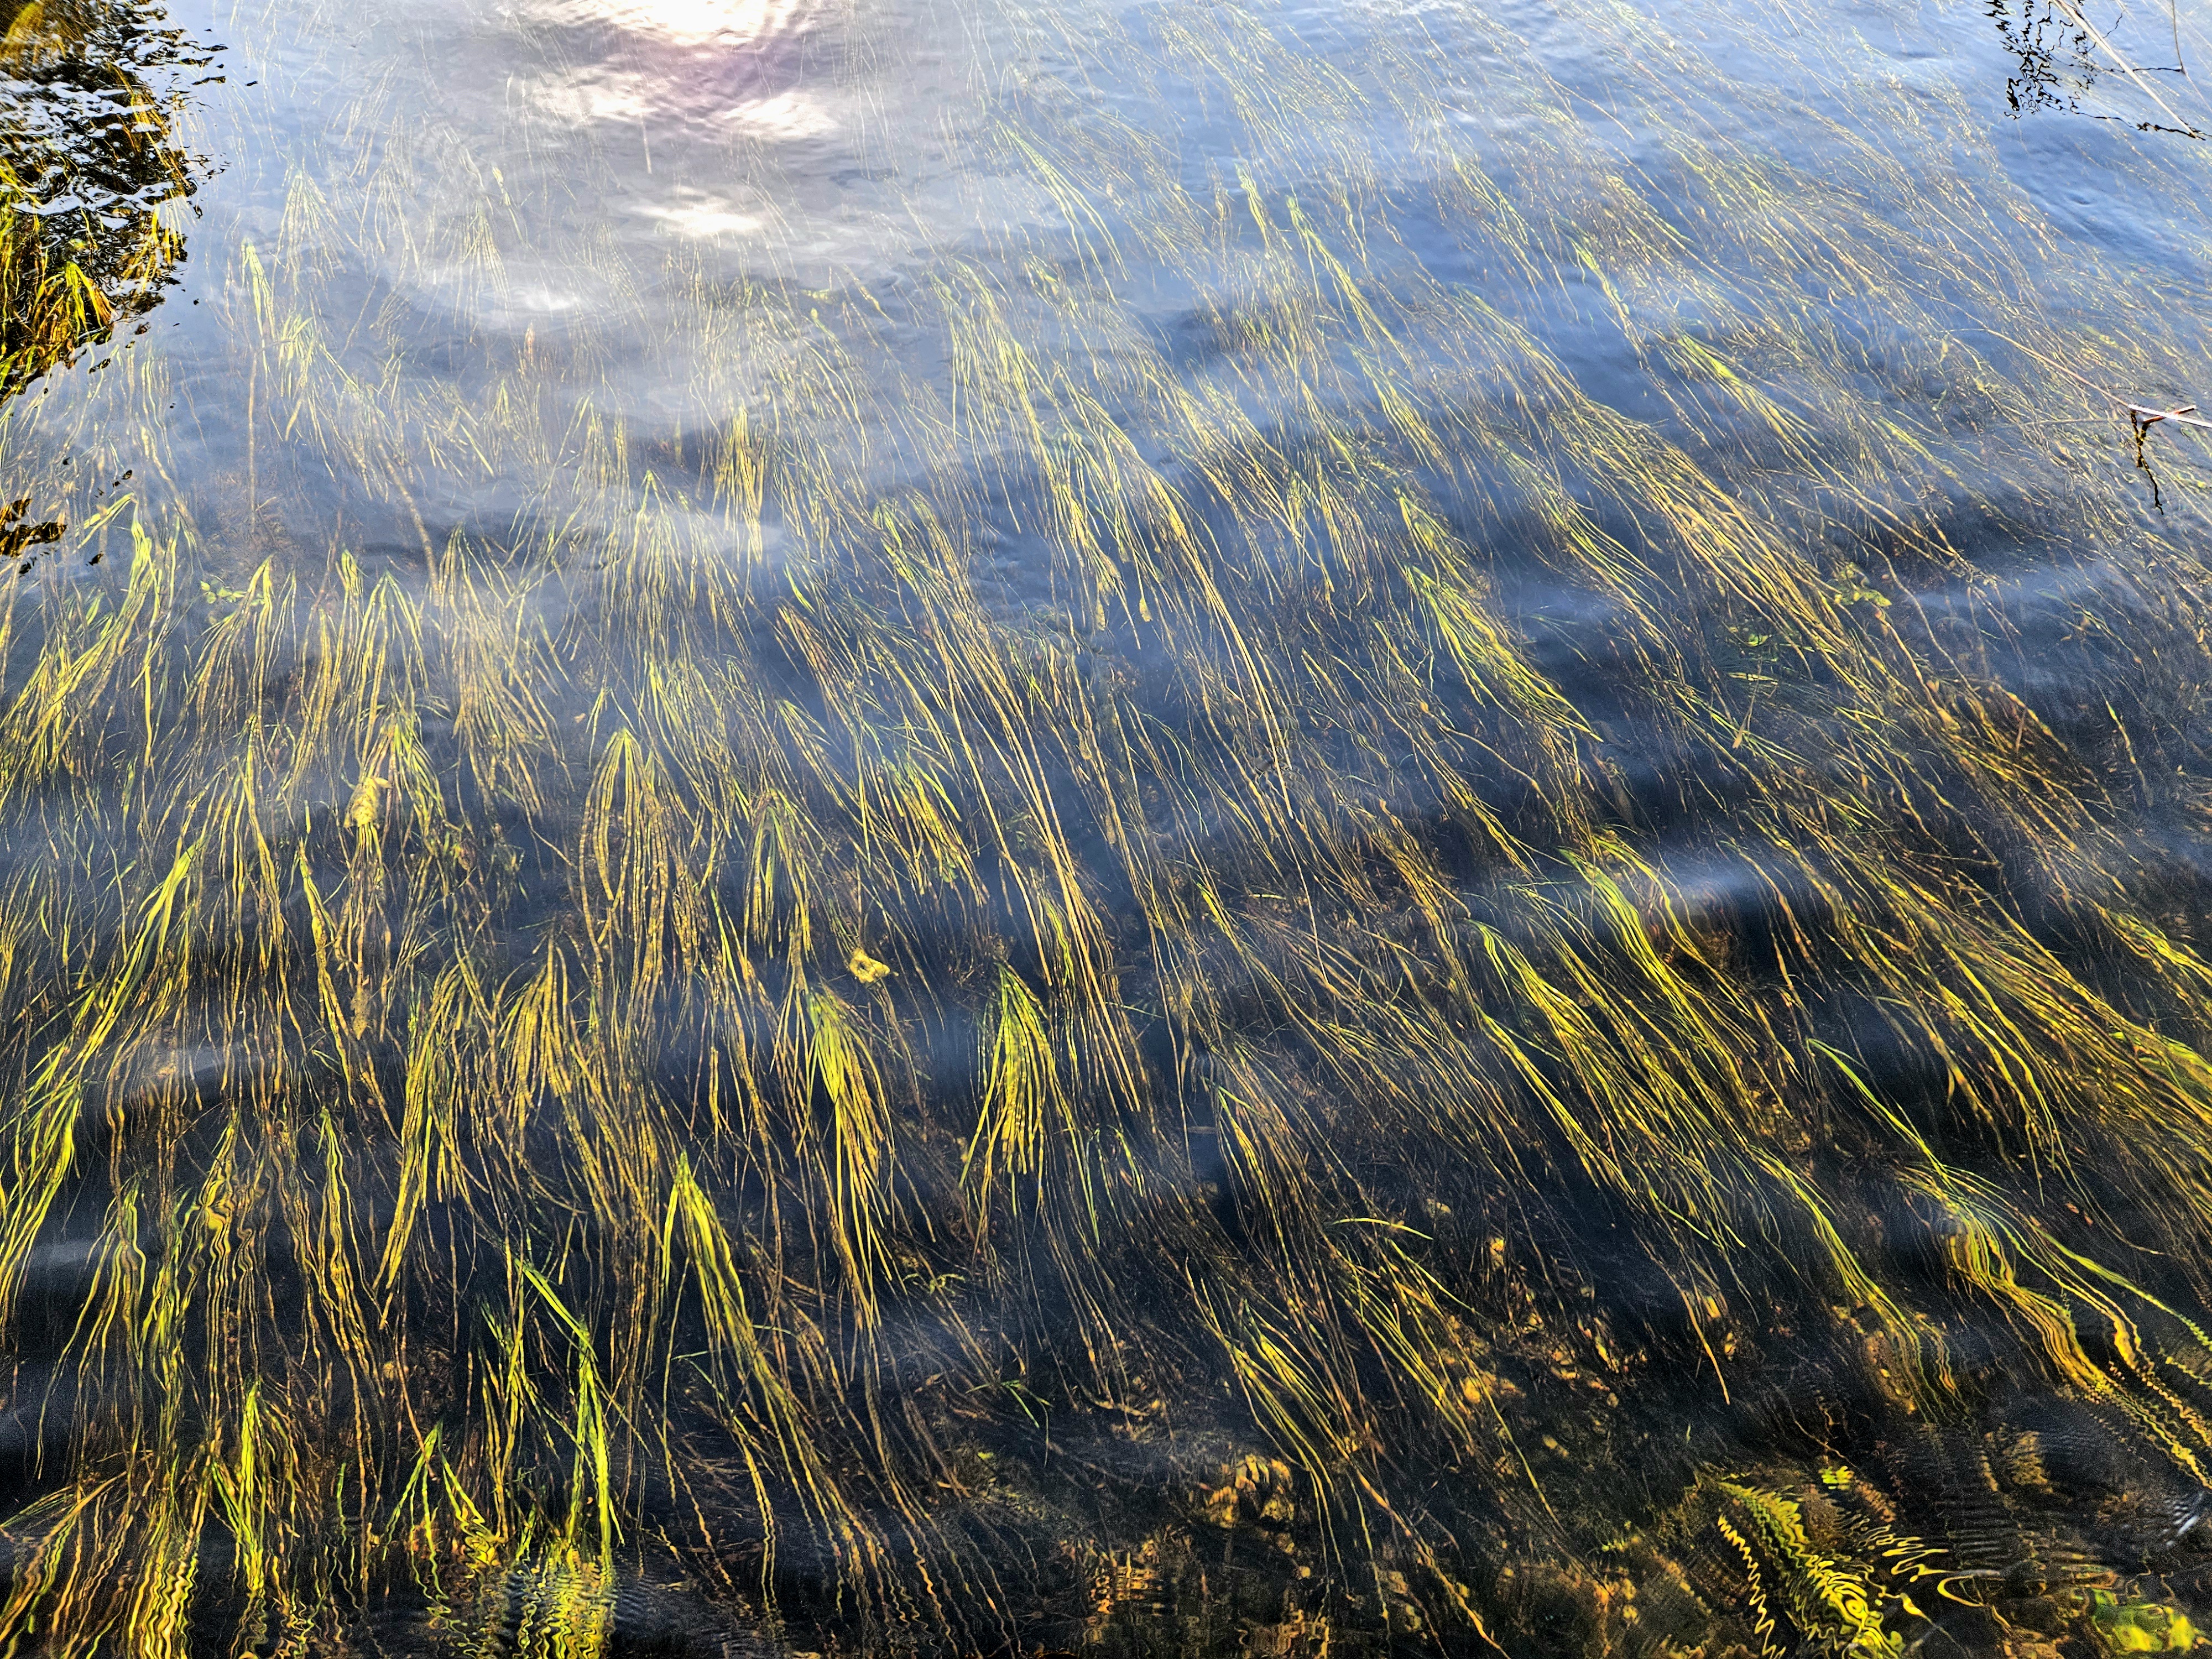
(610, 185)
(1171, 826)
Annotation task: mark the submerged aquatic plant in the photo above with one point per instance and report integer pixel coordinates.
(1038, 977)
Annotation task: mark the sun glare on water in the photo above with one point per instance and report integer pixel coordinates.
(677, 22)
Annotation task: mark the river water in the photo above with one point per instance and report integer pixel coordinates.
(1196, 826)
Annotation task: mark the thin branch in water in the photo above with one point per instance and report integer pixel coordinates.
(2080, 19)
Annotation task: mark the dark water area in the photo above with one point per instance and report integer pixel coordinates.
(1163, 829)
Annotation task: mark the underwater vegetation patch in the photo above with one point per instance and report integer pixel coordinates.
(1324, 860)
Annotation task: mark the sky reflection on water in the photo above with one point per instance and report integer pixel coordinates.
(1129, 826)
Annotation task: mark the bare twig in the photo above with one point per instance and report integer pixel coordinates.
(2080, 20)
(2139, 415)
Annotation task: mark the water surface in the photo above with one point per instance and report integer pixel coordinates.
(1185, 827)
